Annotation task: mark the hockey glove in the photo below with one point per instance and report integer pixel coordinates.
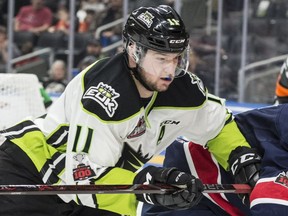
(189, 195)
(244, 164)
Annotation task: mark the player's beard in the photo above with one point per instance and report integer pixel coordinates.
(152, 85)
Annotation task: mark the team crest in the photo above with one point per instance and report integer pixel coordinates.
(104, 95)
(139, 129)
(282, 179)
(147, 18)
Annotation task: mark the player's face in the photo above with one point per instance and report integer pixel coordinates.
(158, 69)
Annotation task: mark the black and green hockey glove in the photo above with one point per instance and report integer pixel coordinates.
(189, 195)
(244, 164)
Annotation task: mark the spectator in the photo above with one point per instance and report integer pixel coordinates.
(202, 69)
(4, 9)
(96, 5)
(88, 21)
(54, 5)
(113, 12)
(202, 63)
(34, 18)
(56, 83)
(205, 69)
(4, 49)
(94, 48)
(89, 15)
(62, 24)
(85, 62)
(93, 52)
(26, 48)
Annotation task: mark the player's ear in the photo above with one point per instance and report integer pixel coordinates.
(131, 47)
(131, 43)
(132, 51)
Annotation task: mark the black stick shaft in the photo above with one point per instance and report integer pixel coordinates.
(113, 189)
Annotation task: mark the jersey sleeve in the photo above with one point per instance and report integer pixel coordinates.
(226, 141)
(119, 203)
(55, 127)
(50, 165)
(216, 129)
(228, 138)
(91, 147)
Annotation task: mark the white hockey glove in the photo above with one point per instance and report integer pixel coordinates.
(244, 164)
(184, 198)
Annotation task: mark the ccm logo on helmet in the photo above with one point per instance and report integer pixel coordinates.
(177, 41)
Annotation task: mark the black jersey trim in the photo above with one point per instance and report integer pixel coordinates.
(217, 100)
(230, 118)
(59, 137)
(95, 200)
(55, 169)
(19, 130)
(78, 200)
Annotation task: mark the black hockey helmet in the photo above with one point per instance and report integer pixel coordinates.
(160, 29)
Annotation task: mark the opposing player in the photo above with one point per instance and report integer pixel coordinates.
(112, 118)
(266, 130)
(281, 91)
(193, 158)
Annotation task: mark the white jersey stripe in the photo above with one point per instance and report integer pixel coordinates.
(52, 166)
(15, 133)
(268, 201)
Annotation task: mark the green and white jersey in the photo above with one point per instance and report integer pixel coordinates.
(102, 132)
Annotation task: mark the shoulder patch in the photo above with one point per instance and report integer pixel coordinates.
(104, 95)
(282, 179)
(198, 81)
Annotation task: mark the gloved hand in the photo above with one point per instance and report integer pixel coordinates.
(188, 196)
(244, 164)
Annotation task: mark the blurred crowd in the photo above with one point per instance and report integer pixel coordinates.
(266, 38)
(45, 23)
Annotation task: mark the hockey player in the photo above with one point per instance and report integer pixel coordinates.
(266, 130)
(281, 90)
(193, 158)
(112, 118)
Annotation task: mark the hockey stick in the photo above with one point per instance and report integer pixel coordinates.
(114, 189)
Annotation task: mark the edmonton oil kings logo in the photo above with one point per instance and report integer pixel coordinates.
(147, 18)
(105, 95)
(282, 179)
